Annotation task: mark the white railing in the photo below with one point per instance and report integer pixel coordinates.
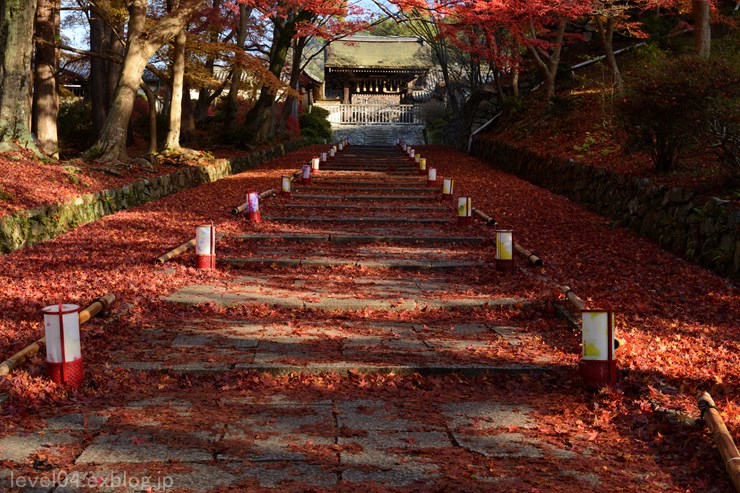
(372, 114)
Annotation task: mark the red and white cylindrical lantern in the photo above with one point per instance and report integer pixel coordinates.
(340, 146)
(464, 211)
(315, 165)
(404, 146)
(398, 142)
(417, 158)
(323, 157)
(63, 348)
(448, 188)
(332, 152)
(423, 166)
(412, 154)
(253, 206)
(306, 174)
(598, 365)
(285, 184)
(505, 250)
(432, 177)
(205, 247)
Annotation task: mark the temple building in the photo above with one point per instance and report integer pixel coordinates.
(375, 69)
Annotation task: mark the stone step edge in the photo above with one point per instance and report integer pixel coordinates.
(368, 264)
(339, 368)
(365, 238)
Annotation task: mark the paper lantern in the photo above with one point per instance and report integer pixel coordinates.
(341, 146)
(504, 250)
(598, 366)
(63, 348)
(306, 174)
(205, 247)
(432, 177)
(448, 188)
(285, 184)
(315, 166)
(464, 211)
(323, 157)
(423, 166)
(412, 154)
(332, 152)
(253, 207)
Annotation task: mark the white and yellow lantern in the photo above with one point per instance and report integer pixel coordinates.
(63, 348)
(205, 247)
(505, 250)
(448, 188)
(323, 157)
(598, 365)
(306, 174)
(464, 211)
(423, 166)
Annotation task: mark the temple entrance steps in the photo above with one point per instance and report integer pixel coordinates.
(379, 135)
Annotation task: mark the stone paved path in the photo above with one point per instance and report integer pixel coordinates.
(403, 254)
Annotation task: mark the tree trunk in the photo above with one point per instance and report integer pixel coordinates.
(141, 45)
(178, 78)
(152, 100)
(45, 98)
(16, 47)
(548, 64)
(295, 74)
(187, 128)
(204, 95)
(104, 71)
(231, 104)
(606, 35)
(702, 28)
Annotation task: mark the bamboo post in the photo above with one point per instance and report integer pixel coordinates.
(530, 256)
(177, 251)
(722, 438)
(97, 306)
(573, 298)
(485, 217)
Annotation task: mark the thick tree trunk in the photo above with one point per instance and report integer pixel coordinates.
(290, 106)
(606, 35)
(104, 71)
(16, 46)
(178, 79)
(702, 28)
(204, 95)
(152, 100)
(45, 98)
(187, 128)
(231, 104)
(259, 121)
(141, 45)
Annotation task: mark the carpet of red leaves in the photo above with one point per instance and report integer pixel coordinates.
(680, 321)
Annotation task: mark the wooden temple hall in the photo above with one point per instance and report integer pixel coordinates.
(368, 70)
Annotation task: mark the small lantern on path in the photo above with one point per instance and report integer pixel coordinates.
(285, 186)
(505, 250)
(306, 174)
(448, 188)
(315, 166)
(432, 177)
(423, 166)
(412, 154)
(598, 366)
(253, 206)
(464, 211)
(205, 247)
(323, 157)
(63, 349)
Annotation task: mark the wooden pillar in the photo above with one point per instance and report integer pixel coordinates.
(345, 97)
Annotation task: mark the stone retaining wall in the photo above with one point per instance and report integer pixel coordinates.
(27, 227)
(704, 231)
